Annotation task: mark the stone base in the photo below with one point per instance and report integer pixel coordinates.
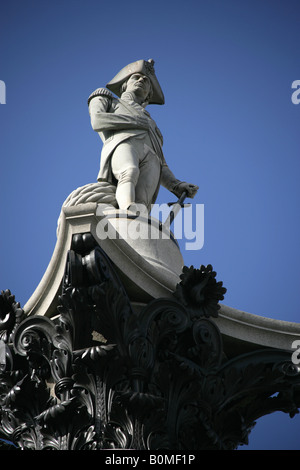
(150, 269)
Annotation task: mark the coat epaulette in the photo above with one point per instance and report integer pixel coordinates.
(100, 92)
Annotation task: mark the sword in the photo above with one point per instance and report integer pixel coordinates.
(178, 205)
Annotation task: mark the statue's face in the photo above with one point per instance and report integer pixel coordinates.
(139, 84)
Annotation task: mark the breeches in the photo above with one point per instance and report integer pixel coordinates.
(137, 169)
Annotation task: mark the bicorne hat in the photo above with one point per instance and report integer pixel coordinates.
(140, 66)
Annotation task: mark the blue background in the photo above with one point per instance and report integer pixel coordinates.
(229, 125)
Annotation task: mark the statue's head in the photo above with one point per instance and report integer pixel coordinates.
(129, 77)
(140, 85)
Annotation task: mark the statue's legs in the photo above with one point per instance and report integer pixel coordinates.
(150, 170)
(137, 170)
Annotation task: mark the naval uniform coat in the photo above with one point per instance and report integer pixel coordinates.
(117, 120)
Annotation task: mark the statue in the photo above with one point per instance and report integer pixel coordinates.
(132, 158)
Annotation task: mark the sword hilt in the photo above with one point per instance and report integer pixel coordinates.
(180, 200)
(179, 203)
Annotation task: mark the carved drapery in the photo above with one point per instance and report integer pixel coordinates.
(103, 374)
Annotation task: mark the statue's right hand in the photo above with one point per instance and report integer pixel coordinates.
(191, 189)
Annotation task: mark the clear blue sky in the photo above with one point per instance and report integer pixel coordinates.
(229, 125)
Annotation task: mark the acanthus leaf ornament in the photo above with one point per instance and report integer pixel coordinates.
(199, 291)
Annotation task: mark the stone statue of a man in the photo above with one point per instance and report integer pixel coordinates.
(132, 156)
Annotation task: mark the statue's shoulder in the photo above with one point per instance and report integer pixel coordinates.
(100, 92)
